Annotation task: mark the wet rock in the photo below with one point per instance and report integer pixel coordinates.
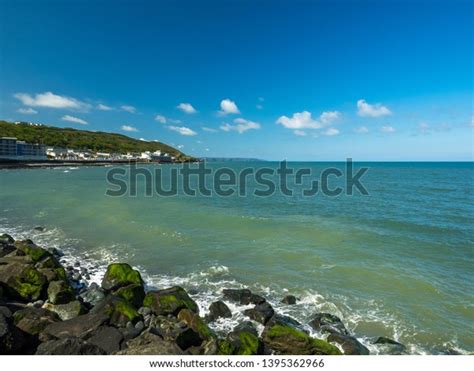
(349, 344)
(33, 320)
(12, 339)
(195, 323)
(328, 323)
(120, 275)
(69, 346)
(21, 281)
(92, 295)
(134, 294)
(59, 292)
(169, 301)
(218, 309)
(390, 346)
(243, 340)
(32, 250)
(80, 327)
(289, 299)
(54, 274)
(6, 238)
(67, 311)
(144, 311)
(284, 339)
(107, 338)
(173, 330)
(55, 252)
(118, 310)
(260, 313)
(5, 249)
(242, 296)
(39, 229)
(150, 344)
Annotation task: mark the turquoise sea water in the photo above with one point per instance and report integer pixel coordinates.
(398, 262)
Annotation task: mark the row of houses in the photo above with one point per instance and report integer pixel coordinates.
(13, 149)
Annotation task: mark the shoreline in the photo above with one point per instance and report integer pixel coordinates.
(163, 321)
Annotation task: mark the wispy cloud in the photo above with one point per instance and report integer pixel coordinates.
(103, 107)
(160, 118)
(365, 109)
(304, 120)
(209, 130)
(186, 108)
(330, 132)
(182, 130)
(387, 129)
(228, 107)
(361, 130)
(76, 120)
(27, 111)
(51, 100)
(300, 133)
(241, 126)
(128, 108)
(128, 128)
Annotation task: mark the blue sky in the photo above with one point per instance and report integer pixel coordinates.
(296, 80)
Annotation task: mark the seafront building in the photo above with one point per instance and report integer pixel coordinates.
(13, 149)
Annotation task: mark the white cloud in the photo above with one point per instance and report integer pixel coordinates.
(180, 146)
(259, 106)
(331, 132)
(103, 107)
(182, 130)
(424, 128)
(387, 129)
(365, 109)
(186, 107)
(160, 118)
(209, 130)
(50, 100)
(129, 128)
(300, 133)
(361, 130)
(228, 107)
(76, 120)
(241, 126)
(207, 149)
(129, 109)
(27, 111)
(304, 120)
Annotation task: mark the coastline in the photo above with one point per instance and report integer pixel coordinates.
(142, 320)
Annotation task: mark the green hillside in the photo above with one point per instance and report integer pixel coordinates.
(83, 139)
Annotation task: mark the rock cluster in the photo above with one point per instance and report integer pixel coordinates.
(47, 309)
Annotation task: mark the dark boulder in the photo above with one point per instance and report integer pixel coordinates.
(242, 296)
(150, 344)
(12, 339)
(92, 295)
(285, 339)
(107, 338)
(6, 238)
(349, 344)
(59, 292)
(328, 323)
(173, 330)
(134, 294)
(169, 301)
(21, 280)
(69, 346)
(390, 346)
(5, 249)
(289, 299)
(67, 311)
(243, 340)
(260, 313)
(119, 311)
(32, 250)
(120, 275)
(80, 327)
(217, 310)
(195, 323)
(33, 320)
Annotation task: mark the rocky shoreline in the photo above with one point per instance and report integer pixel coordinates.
(47, 309)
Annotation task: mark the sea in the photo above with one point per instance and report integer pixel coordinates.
(395, 260)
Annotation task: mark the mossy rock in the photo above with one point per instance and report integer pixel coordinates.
(134, 294)
(35, 252)
(225, 348)
(118, 310)
(48, 262)
(169, 301)
(34, 320)
(22, 281)
(59, 292)
(196, 323)
(120, 275)
(67, 311)
(6, 238)
(287, 340)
